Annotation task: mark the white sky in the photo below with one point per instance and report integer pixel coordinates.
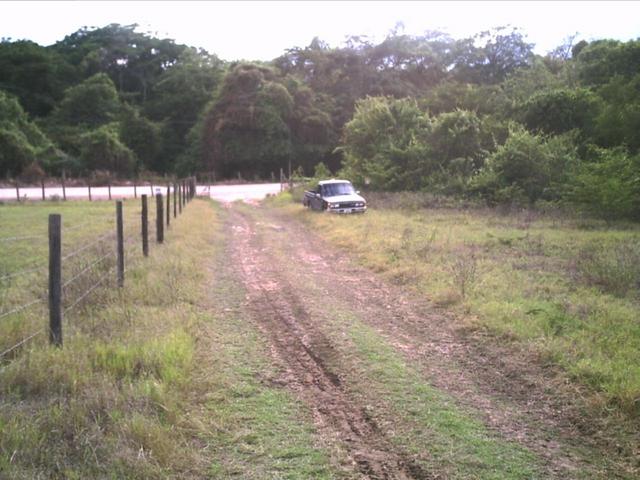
(263, 30)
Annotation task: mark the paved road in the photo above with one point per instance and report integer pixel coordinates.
(223, 193)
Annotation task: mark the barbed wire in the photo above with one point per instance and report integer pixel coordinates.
(89, 245)
(85, 294)
(26, 271)
(20, 343)
(86, 269)
(87, 224)
(20, 308)
(24, 237)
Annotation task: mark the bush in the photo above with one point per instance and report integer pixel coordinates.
(528, 167)
(608, 187)
(102, 149)
(613, 269)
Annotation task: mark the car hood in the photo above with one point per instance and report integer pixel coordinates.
(345, 198)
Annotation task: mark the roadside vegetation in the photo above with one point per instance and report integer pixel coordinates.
(481, 118)
(157, 380)
(562, 288)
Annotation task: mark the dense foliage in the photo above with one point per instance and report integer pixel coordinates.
(104, 99)
(481, 117)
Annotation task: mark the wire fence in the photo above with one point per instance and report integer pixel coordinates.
(54, 188)
(29, 304)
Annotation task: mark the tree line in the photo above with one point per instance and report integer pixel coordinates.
(480, 117)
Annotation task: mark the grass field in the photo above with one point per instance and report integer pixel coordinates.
(173, 376)
(566, 289)
(154, 380)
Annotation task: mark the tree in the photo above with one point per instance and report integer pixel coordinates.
(142, 137)
(134, 61)
(385, 143)
(101, 149)
(618, 120)
(601, 60)
(92, 103)
(246, 131)
(561, 110)
(455, 143)
(36, 75)
(22, 143)
(500, 54)
(609, 186)
(177, 100)
(528, 167)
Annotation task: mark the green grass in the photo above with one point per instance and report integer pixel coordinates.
(457, 443)
(524, 279)
(152, 381)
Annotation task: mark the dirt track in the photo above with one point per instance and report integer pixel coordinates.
(277, 259)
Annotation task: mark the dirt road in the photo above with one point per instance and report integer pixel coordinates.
(297, 286)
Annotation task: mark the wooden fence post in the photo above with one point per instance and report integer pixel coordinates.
(168, 205)
(159, 219)
(55, 279)
(145, 227)
(109, 187)
(42, 183)
(89, 185)
(180, 196)
(120, 250)
(151, 188)
(17, 191)
(175, 196)
(135, 189)
(64, 189)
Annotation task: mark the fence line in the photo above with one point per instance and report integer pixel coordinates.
(92, 244)
(129, 241)
(86, 293)
(84, 225)
(20, 343)
(85, 270)
(20, 308)
(58, 188)
(23, 272)
(25, 237)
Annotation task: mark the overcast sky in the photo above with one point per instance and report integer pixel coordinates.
(263, 30)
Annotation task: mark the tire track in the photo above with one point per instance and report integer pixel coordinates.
(305, 355)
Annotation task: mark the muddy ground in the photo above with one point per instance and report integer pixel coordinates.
(518, 397)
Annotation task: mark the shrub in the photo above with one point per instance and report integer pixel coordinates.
(613, 269)
(608, 187)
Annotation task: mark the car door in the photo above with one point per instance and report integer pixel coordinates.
(316, 201)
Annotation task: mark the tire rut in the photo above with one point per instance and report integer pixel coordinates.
(305, 355)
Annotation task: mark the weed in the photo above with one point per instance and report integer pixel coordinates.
(613, 268)
(594, 337)
(464, 271)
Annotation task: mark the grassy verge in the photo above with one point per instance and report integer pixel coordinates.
(553, 287)
(153, 381)
(425, 422)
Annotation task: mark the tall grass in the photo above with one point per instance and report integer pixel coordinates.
(542, 280)
(140, 389)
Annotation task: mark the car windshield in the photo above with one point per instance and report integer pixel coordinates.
(334, 189)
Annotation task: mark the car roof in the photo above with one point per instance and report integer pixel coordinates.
(333, 180)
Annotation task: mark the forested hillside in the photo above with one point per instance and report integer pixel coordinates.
(480, 117)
